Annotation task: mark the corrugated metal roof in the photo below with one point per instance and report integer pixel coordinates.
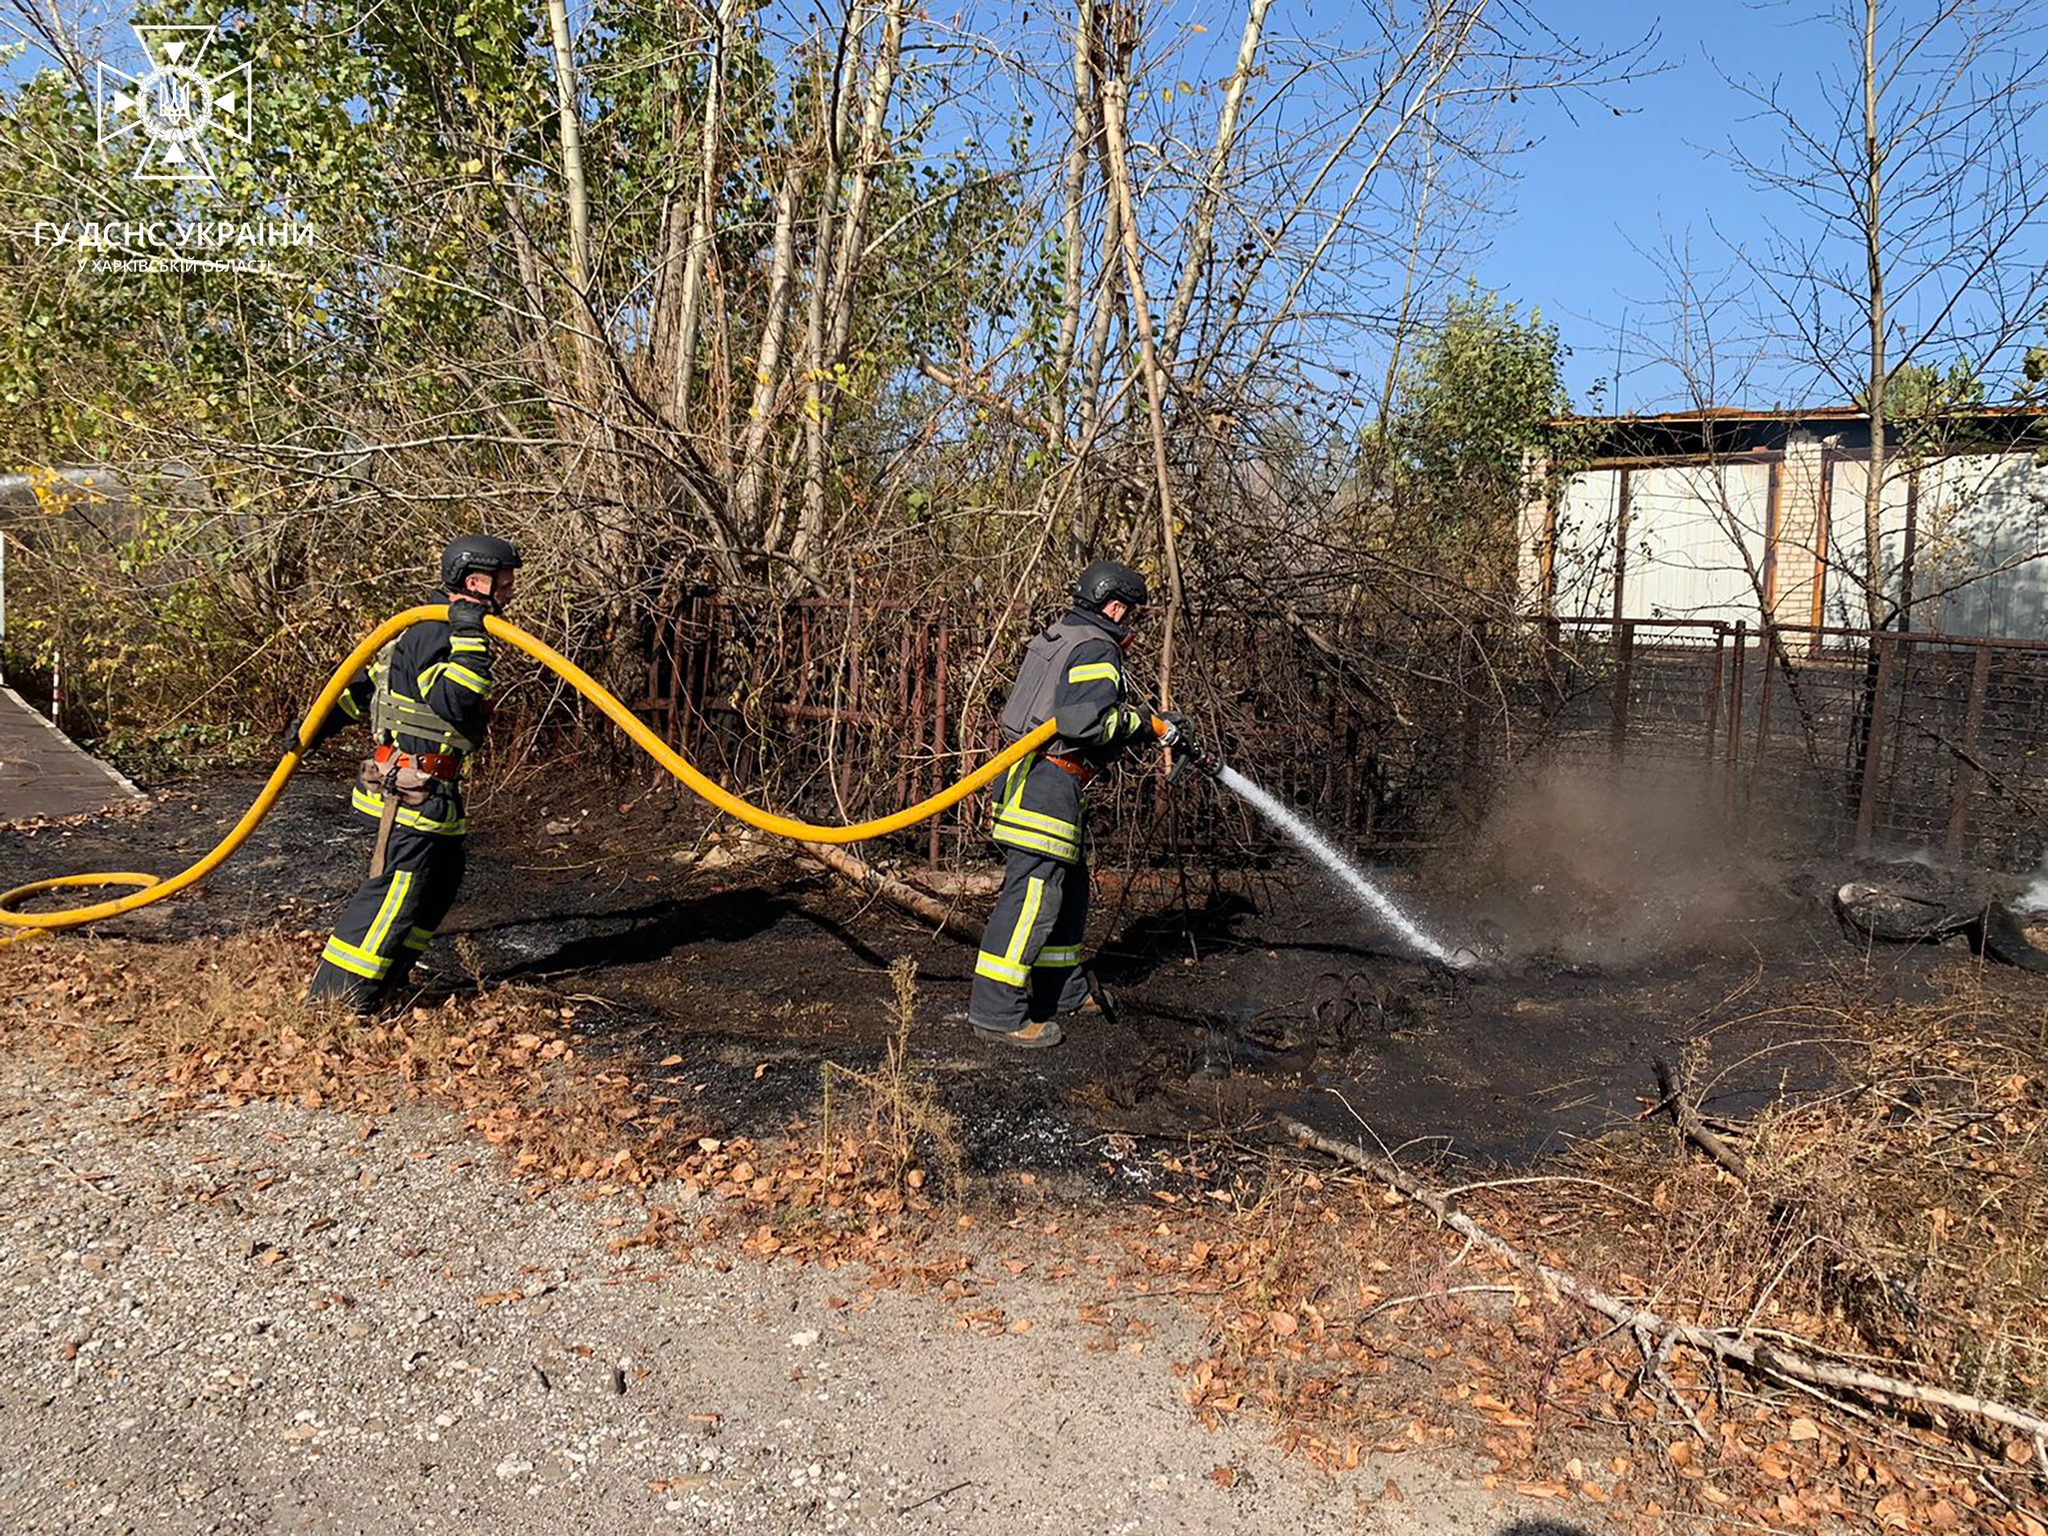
(1811, 413)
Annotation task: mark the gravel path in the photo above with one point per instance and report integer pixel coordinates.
(268, 1319)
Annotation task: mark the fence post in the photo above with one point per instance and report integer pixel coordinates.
(1965, 768)
(1766, 657)
(942, 660)
(1624, 679)
(1713, 709)
(1737, 664)
(1873, 746)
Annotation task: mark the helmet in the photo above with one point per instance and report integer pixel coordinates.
(476, 552)
(1105, 581)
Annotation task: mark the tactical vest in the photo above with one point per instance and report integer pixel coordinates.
(1046, 658)
(392, 712)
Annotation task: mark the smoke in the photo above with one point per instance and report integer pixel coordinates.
(2034, 899)
(1597, 863)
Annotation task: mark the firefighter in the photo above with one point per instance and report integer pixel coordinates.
(1029, 969)
(425, 698)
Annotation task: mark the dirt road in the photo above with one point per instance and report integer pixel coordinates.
(271, 1319)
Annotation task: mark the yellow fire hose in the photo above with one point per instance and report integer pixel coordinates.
(155, 889)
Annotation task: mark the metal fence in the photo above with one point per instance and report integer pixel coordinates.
(1834, 737)
(1839, 737)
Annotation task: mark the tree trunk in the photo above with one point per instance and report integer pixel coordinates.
(756, 440)
(1873, 240)
(1203, 231)
(842, 234)
(1116, 98)
(1080, 144)
(576, 193)
(703, 226)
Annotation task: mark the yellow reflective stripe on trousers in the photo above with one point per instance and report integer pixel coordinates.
(419, 938)
(1050, 959)
(996, 968)
(387, 912)
(344, 955)
(1009, 965)
(1034, 899)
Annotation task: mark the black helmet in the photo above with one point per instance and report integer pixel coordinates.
(1105, 581)
(476, 552)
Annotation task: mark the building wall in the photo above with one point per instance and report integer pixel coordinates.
(1781, 532)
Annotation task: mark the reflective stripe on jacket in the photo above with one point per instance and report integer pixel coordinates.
(1039, 807)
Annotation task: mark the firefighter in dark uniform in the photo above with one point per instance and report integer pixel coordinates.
(424, 697)
(1029, 968)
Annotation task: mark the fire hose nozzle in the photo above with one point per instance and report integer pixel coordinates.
(1186, 749)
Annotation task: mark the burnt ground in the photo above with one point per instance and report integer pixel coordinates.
(1269, 997)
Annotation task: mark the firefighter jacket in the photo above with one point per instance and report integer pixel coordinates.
(426, 691)
(1072, 673)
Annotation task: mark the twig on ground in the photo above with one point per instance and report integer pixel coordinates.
(933, 1498)
(1690, 1126)
(1450, 1290)
(1764, 1359)
(894, 891)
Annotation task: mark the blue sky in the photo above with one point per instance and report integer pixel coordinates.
(1598, 199)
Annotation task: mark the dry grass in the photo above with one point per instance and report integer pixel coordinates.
(1902, 1217)
(224, 1019)
(227, 1017)
(1898, 1220)
(891, 1128)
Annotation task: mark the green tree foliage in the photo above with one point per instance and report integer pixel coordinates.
(1477, 407)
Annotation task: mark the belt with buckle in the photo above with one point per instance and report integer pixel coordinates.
(1085, 772)
(445, 766)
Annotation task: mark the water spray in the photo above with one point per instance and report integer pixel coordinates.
(1348, 874)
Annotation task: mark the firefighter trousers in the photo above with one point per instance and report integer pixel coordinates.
(391, 919)
(1029, 967)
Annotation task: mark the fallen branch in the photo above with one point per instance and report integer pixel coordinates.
(1756, 1357)
(1691, 1127)
(895, 892)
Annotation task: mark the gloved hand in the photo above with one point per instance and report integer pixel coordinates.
(1180, 733)
(291, 735)
(466, 616)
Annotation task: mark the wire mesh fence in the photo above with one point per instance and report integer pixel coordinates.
(1828, 737)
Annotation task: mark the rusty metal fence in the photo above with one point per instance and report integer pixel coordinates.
(1834, 737)
(1837, 737)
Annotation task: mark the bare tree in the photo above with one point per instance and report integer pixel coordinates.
(1902, 216)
